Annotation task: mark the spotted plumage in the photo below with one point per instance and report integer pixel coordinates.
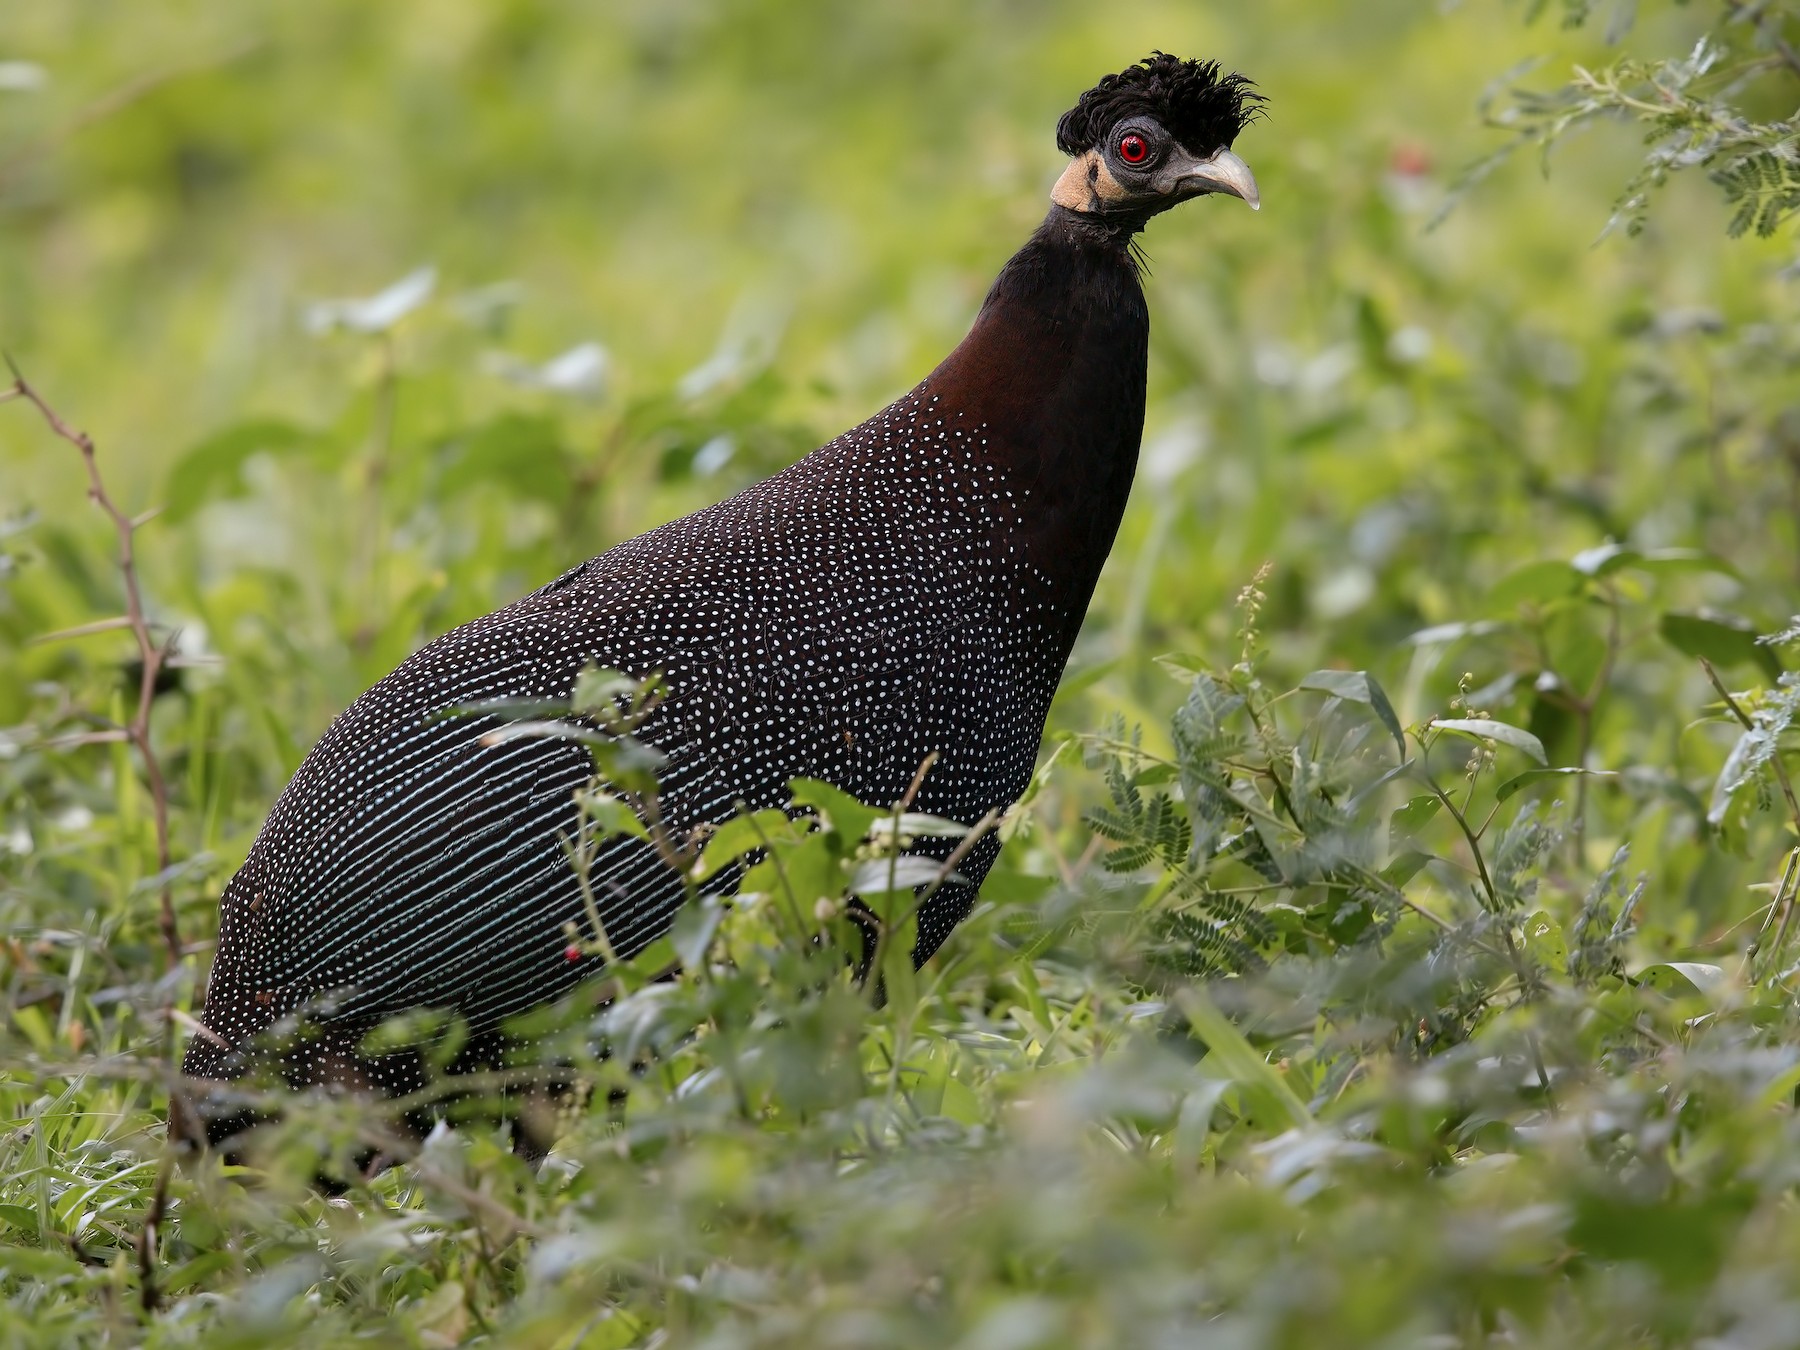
(911, 588)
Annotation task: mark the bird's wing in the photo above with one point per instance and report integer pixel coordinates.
(414, 861)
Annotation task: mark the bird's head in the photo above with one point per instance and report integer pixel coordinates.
(1154, 135)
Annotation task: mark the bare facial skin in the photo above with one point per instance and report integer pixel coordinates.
(1087, 185)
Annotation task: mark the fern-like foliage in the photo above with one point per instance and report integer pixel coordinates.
(1257, 835)
(1764, 186)
(1694, 107)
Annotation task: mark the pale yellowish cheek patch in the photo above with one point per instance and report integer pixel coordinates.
(1087, 184)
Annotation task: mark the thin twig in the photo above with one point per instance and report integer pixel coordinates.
(149, 1291)
(150, 653)
(81, 630)
(883, 930)
(918, 781)
(1783, 893)
(1487, 882)
(1787, 917)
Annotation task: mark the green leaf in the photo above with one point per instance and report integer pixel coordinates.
(693, 931)
(620, 760)
(543, 730)
(625, 762)
(648, 966)
(917, 824)
(212, 470)
(899, 977)
(1184, 666)
(879, 876)
(1454, 632)
(1604, 560)
(1724, 639)
(1199, 727)
(1519, 782)
(1682, 979)
(37, 1263)
(1358, 686)
(1544, 940)
(740, 835)
(1576, 648)
(1272, 1102)
(841, 813)
(1684, 560)
(514, 453)
(22, 1218)
(1759, 744)
(419, 1027)
(1005, 886)
(1755, 748)
(1405, 867)
(1680, 1240)
(1484, 729)
(612, 816)
(603, 693)
(1408, 820)
(1536, 583)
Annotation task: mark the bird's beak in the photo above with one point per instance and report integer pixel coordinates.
(1222, 172)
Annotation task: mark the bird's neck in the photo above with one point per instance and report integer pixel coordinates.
(1054, 370)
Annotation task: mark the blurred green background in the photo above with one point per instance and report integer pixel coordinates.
(396, 311)
(772, 218)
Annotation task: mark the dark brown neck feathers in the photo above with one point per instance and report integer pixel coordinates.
(1055, 368)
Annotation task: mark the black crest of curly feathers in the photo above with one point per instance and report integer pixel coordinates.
(1196, 104)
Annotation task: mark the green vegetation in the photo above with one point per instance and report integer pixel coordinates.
(1397, 947)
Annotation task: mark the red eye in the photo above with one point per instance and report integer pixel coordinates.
(1133, 149)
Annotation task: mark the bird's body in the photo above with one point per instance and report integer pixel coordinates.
(913, 587)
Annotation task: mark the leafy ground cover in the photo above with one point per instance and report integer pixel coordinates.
(1397, 945)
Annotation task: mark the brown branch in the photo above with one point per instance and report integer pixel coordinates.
(150, 654)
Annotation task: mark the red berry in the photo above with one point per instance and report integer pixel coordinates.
(572, 952)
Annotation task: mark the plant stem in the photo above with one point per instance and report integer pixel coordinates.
(1487, 882)
(150, 655)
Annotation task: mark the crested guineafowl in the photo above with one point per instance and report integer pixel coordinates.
(911, 588)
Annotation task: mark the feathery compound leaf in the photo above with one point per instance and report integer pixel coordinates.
(1199, 728)
(1764, 186)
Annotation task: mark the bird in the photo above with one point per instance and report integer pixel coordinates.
(911, 589)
